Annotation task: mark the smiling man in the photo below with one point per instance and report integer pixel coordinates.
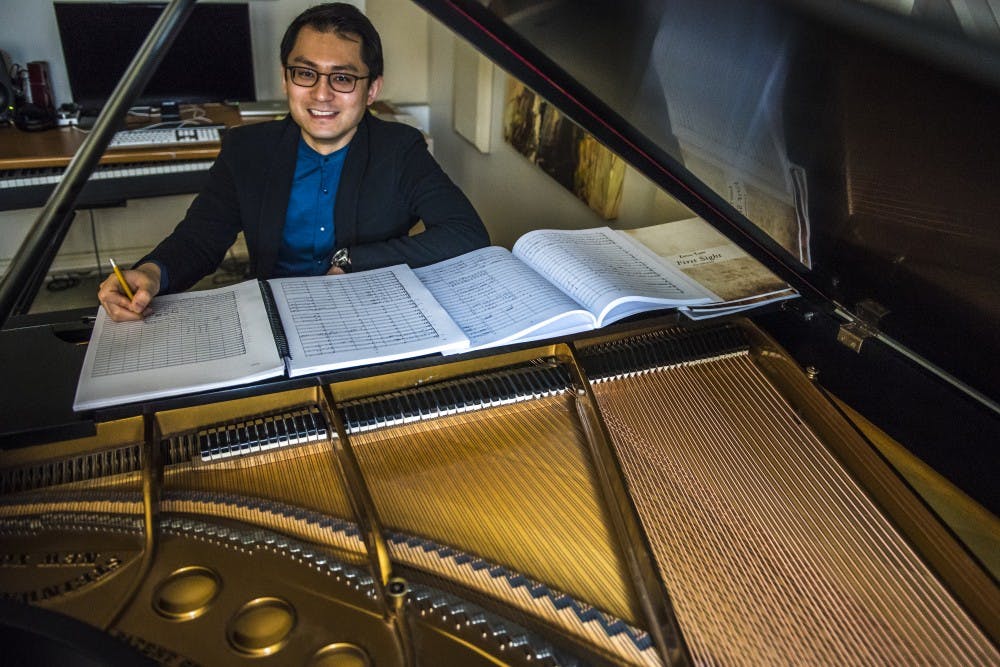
(329, 189)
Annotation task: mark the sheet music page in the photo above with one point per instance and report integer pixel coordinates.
(606, 272)
(362, 318)
(194, 341)
(496, 299)
(705, 255)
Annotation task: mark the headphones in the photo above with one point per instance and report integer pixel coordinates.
(31, 117)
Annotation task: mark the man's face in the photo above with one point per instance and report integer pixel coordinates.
(328, 119)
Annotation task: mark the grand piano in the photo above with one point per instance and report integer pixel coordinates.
(810, 483)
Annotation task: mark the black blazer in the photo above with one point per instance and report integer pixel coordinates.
(389, 182)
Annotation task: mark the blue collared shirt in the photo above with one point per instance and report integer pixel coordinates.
(308, 239)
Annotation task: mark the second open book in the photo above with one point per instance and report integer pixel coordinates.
(553, 283)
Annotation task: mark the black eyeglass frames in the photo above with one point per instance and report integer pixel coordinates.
(341, 82)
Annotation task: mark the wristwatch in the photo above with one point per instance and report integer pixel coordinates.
(341, 259)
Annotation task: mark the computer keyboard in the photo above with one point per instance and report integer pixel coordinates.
(159, 137)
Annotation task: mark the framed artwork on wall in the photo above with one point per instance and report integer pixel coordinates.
(563, 150)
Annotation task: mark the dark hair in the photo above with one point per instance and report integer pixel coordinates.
(343, 19)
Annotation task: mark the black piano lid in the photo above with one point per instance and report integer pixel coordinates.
(873, 133)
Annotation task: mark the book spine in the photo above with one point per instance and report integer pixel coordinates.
(277, 329)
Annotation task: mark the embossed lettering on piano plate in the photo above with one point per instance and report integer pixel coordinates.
(93, 572)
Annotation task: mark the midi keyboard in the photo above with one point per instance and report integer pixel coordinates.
(162, 137)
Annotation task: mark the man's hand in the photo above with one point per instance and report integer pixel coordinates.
(145, 283)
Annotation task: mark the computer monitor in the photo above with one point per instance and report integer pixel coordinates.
(210, 61)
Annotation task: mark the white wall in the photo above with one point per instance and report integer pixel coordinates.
(28, 32)
(403, 27)
(511, 194)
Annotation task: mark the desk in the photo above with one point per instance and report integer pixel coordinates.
(56, 147)
(31, 163)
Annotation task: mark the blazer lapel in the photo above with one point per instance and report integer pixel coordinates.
(277, 188)
(345, 210)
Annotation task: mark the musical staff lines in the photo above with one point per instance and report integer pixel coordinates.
(177, 333)
(357, 313)
(597, 265)
(491, 294)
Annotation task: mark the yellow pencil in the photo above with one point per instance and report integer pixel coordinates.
(121, 280)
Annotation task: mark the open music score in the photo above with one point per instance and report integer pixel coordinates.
(196, 341)
(178, 333)
(553, 283)
(599, 268)
(582, 280)
(369, 317)
(491, 296)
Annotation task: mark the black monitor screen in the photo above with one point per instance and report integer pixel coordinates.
(210, 61)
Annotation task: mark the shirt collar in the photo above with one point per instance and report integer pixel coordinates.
(307, 152)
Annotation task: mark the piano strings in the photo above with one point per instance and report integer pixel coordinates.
(766, 544)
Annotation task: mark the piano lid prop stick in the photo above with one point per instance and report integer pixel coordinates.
(121, 279)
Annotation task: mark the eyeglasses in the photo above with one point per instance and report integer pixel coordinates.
(341, 82)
